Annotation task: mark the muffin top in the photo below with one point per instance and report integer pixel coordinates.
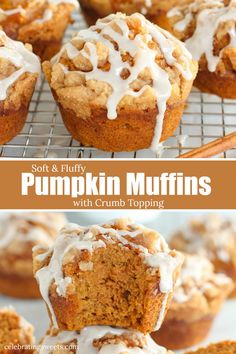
(103, 340)
(77, 242)
(17, 63)
(123, 62)
(208, 28)
(14, 329)
(212, 236)
(198, 278)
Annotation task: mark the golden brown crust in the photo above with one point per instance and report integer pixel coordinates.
(126, 132)
(176, 335)
(223, 85)
(14, 109)
(19, 286)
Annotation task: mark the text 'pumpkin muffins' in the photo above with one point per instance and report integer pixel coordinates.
(15, 331)
(119, 274)
(213, 237)
(41, 23)
(122, 84)
(197, 299)
(208, 29)
(99, 339)
(19, 70)
(18, 234)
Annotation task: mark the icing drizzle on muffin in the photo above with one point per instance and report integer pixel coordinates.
(209, 14)
(121, 231)
(21, 57)
(129, 54)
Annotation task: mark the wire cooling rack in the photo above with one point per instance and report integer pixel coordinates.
(206, 118)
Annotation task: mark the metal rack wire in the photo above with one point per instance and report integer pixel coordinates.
(206, 118)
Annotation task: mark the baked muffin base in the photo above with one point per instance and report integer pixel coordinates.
(126, 132)
(11, 122)
(19, 286)
(220, 85)
(175, 334)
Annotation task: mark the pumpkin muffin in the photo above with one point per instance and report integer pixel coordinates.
(118, 274)
(99, 339)
(18, 234)
(197, 299)
(122, 84)
(19, 70)
(208, 29)
(213, 237)
(16, 334)
(226, 347)
(34, 22)
(95, 9)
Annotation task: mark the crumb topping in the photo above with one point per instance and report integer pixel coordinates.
(123, 57)
(208, 28)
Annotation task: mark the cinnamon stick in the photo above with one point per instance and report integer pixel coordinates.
(213, 148)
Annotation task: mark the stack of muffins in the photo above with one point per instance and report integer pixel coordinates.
(106, 287)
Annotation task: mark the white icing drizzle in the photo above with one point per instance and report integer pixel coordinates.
(84, 238)
(21, 57)
(197, 277)
(144, 57)
(85, 338)
(208, 19)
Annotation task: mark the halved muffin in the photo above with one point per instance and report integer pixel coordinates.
(118, 274)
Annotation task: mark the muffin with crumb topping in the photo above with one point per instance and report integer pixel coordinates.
(19, 71)
(34, 22)
(122, 84)
(198, 297)
(208, 29)
(213, 236)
